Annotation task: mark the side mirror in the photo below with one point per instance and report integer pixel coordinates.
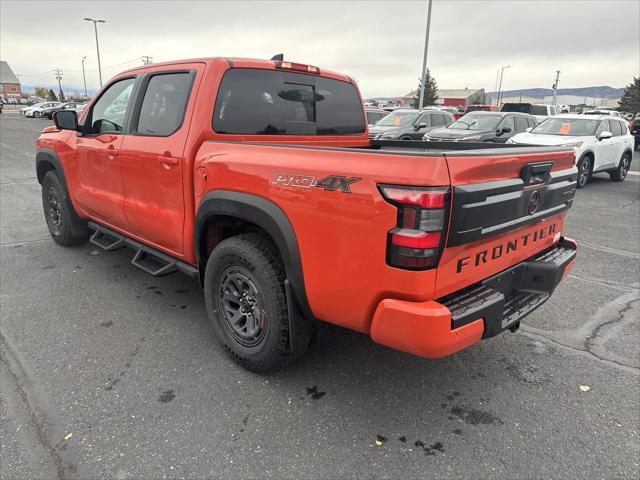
(66, 120)
(529, 129)
(604, 135)
(420, 126)
(504, 130)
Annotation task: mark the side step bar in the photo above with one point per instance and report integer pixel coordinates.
(146, 258)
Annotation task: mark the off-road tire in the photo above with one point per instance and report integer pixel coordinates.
(252, 256)
(65, 226)
(585, 164)
(620, 173)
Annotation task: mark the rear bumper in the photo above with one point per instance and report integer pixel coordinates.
(441, 327)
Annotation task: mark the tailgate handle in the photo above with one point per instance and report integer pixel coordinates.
(535, 173)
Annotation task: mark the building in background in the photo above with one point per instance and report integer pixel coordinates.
(9, 83)
(458, 97)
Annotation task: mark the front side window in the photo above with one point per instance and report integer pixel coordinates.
(108, 113)
(508, 123)
(521, 124)
(165, 101)
(604, 127)
(437, 120)
(616, 128)
(267, 102)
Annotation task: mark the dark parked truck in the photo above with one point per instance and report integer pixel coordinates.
(258, 178)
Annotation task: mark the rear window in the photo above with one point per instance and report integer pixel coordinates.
(477, 108)
(538, 110)
(267, 102)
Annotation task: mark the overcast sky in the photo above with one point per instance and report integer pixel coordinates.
(379, 43)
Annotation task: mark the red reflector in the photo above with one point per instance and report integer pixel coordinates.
(414, 262)
(300, 67)
(416, 239)
(421, 198)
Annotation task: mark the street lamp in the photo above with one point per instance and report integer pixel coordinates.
(500, 87)
(84, 78)
(424, 58)
(95, 27)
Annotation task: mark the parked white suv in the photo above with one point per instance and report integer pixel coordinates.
(602, 143)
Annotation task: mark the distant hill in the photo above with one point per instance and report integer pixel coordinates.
(601, 91)
(29, 88)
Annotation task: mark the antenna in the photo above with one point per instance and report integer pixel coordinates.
(278, 57)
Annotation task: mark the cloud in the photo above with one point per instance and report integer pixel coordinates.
(378, 43)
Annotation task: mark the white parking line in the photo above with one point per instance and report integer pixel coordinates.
(633, 172)
(14, 149)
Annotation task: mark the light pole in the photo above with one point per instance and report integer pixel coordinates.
(424, 58)
(500, 87)
(84, 78)
(95, 27)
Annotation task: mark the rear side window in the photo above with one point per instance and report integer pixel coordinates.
(531, 122)
(267, 102)
(165, 101)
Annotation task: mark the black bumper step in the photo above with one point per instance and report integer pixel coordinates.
(503, 299)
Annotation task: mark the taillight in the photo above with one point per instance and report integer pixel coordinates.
(299, 67)
(417, 241)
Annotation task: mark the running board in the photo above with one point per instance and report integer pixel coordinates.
(146, 258)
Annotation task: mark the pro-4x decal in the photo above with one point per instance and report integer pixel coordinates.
(330, 183)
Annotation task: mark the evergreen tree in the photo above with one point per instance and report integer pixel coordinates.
(630, 101)
(430, 92)
(51, 96)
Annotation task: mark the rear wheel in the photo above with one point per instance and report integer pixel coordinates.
(620, 173)
(584, 171)
(65, 227)
(246, 301)
(406, 137)
(37, 114)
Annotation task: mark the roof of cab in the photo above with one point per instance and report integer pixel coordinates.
(237, 62)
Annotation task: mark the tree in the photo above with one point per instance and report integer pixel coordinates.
(430, 92)
(630, 101)
(51, 96)
(41, 92)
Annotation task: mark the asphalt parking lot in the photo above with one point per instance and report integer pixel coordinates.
(108, 372)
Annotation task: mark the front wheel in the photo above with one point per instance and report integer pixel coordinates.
(584, 171)
(65, 227)
(246, 301)
(620, 173)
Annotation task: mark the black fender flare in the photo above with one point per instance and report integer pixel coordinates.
(266, 215)
(49, 156)
(44, 158)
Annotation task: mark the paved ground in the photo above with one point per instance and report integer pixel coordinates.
(126, 364)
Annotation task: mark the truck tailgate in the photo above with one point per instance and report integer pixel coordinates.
(507, 205)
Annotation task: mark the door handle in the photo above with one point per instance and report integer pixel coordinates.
(110, 151)
(167, 160)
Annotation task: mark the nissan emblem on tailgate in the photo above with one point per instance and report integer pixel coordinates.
(534, 202)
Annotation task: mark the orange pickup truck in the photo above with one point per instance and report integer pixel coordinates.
(258, 178)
